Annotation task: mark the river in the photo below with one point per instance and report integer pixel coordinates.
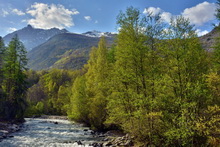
(50, 133)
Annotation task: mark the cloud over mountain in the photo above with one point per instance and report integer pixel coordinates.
(51, 16)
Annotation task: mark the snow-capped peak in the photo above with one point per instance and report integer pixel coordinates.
(95, 33)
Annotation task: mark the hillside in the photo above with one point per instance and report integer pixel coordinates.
(71, 51)
(208, 40)
(32, 37)
(67, 50)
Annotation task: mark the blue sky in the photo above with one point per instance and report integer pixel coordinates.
(85, 15)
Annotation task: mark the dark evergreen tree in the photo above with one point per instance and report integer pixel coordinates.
(2, 51)
(14, 84)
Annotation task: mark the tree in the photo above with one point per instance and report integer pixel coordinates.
(135, 54)
(2, 52)
(78, 107)
(97, 84)
(218, 10)
(14, 84)
(187, 64)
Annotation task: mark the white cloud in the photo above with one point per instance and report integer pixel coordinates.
(201, 13)
(201, 33)
(10, 30)
(88, 18)
(152, 10)
(96, 21)
(4, 13)
(165, 16)
(24, 20)
(75, 12)
(18, 12)
(50, 16)
(197, 15)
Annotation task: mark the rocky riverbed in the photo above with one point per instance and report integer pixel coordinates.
(7, 128)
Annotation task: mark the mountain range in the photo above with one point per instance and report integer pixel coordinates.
(55, 48)
(32, 37)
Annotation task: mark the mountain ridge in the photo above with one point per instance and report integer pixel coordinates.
(32, 37)
(66, 50)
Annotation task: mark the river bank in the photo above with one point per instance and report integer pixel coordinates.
(6, 128)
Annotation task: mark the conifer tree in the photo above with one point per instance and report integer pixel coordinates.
(2, 98)
(14, 84)
(79, 108)
(98, 84)
(2, 52)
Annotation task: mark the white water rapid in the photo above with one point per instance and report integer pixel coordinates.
(50, 133)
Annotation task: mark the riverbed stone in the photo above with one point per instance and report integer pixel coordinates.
(107, 143)
(96, 144)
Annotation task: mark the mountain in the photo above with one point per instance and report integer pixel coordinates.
(208, 40)
(66, 50)
(32, 37)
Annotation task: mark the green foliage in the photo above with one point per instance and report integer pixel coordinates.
(208, 125)
(13, 79)
(2, 52)
(213, 83)
(78, 107)
(35, 110)
(97, 85)
(51, 88)
(218, 10)
(136, 90)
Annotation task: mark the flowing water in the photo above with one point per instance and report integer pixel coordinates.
(50, 133)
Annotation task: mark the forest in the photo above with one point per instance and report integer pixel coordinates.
(155, 83)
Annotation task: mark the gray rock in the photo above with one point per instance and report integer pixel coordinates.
(79, 142)
(107, 143)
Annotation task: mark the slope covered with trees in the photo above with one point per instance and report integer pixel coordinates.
(63, 51)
